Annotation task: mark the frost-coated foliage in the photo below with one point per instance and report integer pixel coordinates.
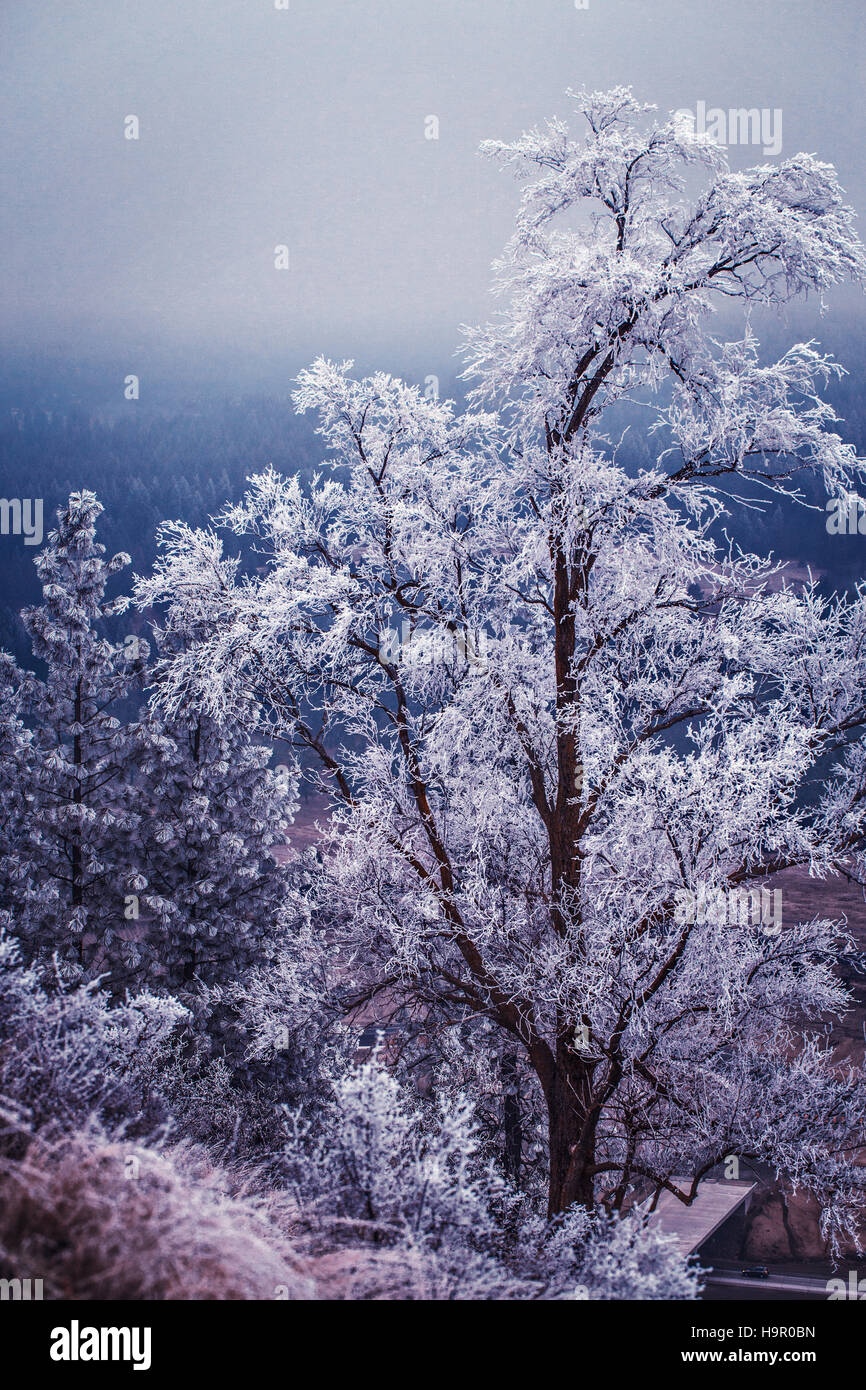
(382, 1197)
(81, 810)
(390, 1169)
(413, 1181)
(212, 895)
(23, 891)
(100, 1219)
(139, 852)
(610, 1258)
(287, 1015)
(552, 703)
(69, 1056)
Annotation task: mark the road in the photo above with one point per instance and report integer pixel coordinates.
(723, 1285)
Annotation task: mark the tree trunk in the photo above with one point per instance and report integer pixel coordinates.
(77, 856)
(572, 1140)
(511, 1123)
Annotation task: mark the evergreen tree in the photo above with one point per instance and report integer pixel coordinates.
(20, 890)
(81, 809)
(216, 895)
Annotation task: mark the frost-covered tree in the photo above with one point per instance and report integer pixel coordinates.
(553, 707)
(19, 893)
(215, 898)
(81, 810)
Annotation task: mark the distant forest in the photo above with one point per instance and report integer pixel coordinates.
(147, 467)
(144, 468)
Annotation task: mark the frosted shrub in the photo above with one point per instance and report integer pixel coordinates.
(68, 1054)
(410, 1181)
(391, 1172)
(583, 1255)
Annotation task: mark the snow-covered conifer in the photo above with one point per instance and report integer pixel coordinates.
(212, 814)
(81, 806)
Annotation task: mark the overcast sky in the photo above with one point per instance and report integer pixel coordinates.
(306, 127)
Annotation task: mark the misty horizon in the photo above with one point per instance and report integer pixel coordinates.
(348, 135)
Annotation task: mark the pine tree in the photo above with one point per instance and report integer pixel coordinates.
(81, 808)
(215, 894)
(20, 889)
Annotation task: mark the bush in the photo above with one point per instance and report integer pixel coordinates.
(96, 1219)
(405, 1186)
(68, 1055)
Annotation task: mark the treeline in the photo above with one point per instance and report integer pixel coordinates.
(145, 468)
